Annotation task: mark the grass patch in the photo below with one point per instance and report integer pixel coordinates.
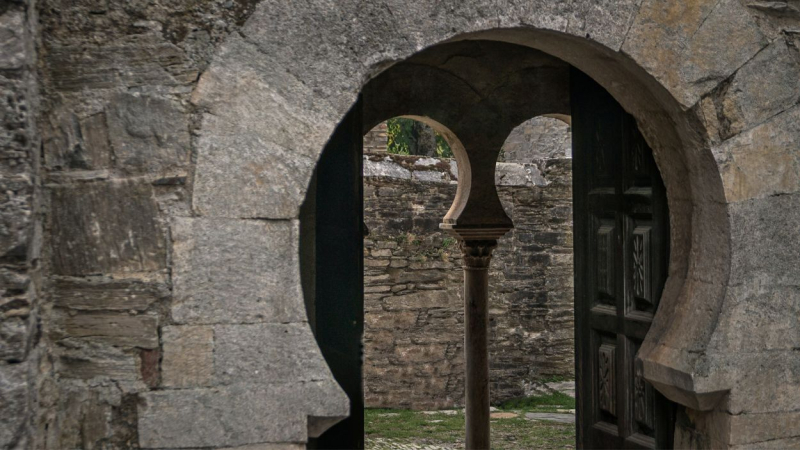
(556, 400)
(446, 429)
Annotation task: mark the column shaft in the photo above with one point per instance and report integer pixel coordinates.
(477, 255)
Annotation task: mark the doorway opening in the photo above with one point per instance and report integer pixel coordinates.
(483, 111)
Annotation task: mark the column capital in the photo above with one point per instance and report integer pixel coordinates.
(477, 253)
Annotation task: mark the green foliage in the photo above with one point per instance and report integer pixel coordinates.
(448, 242)
(403, 137)
(443, 149)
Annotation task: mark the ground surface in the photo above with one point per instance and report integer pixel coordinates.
(545, 422)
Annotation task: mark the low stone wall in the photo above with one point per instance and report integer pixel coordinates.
(413, 280)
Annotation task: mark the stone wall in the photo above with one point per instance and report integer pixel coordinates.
(413, 283)
(21, 350)
(538, 138)
(713, 84)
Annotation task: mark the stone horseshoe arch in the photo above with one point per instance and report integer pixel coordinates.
(275, 92)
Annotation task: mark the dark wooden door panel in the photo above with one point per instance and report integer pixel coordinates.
(621, 255)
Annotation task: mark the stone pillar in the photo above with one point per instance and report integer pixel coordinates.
(477, 256)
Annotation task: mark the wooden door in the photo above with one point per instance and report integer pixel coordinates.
(621, 257)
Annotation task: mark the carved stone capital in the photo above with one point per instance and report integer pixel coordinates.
(477, 254)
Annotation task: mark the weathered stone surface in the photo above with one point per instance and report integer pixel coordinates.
(116, 329)
(235, 415)
(148, 134)
(235, 271)
(755, 428)
(237, 91)
(13, 402)
(16, 209)
(726, 39)
(384, 168)
(73, 143)
(188, 359)
(12, 40)
(267, 353)
(106, 227)
(16, 326)
(425, 299)
(764, 160)
(767, 85)
(106, 294)
(765, 239)
(16, 133)
(142, 62)
(88, 360)
(538, 138)
(690, 47)
(604, 21)
(243, 175)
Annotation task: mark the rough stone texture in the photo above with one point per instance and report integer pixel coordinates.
(413, 308)
(188, 359)
(115, 329)
(274, 352)
(21, 306)
(764, 87)
(106, 227)
(538, 138)
(693, 73)
(741, 159)
(234, 271)
(376, 139)
(691, 47)
(106, 294)
(231, 416)
(148, 134)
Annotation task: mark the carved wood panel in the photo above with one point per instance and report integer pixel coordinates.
(621, 255)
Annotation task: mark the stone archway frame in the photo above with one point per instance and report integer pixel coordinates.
(277, 89)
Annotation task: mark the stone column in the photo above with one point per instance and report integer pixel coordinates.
(477, 256)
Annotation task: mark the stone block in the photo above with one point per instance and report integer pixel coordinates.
(755, 428)
(234, 271)
(188, 359)
(267, 353)
(236, 415)
(149, 61)
(604, 21)
(240, 174)
(690, 47)
(148, 134)
(765, 240)
(12, 39)
(13, 402)
(106, 294)
(115, 329)
(106, 227)
(251, 94)
(762, 161)
(767, 85)
(73, 143)
(88, 360)
(727, 38)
